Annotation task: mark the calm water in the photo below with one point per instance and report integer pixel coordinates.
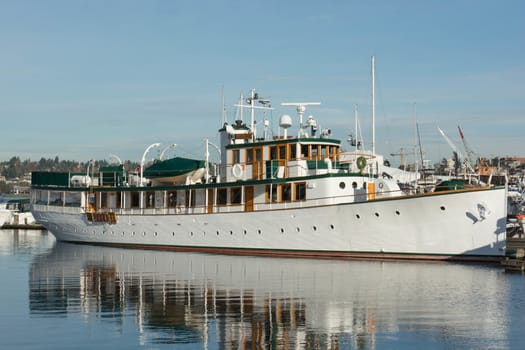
(62, 296)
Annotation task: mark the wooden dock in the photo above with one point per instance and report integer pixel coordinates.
(515, 255)
(22, 226)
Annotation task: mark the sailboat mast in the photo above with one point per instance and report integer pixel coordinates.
(373, 108)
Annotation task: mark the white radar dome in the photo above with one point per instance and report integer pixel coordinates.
(285, 121)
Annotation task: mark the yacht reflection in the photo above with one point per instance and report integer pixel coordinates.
(249, 302)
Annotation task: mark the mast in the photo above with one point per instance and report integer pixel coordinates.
(373, 108)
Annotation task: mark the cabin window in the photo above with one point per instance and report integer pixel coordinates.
(222, 195)
(236, 195)
(300, 191)
(172, 199)
(236, 156)
(190, 198)
(118, 196)
(150, 199)
(55, 198)
(286, 192)
(41, 197)
(272, 194)
(103, 199)
(135, 199)
(73, 199)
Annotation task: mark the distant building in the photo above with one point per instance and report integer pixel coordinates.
(513, 162)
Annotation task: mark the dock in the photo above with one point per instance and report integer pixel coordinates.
(22, 226)
(515, 255)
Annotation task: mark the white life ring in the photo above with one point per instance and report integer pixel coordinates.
(237, 171)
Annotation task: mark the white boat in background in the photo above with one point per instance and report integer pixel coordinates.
(291, 195)
(15, 212)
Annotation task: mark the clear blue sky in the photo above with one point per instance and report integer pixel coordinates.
(85, 79)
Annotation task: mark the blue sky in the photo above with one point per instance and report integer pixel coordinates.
(85, 79)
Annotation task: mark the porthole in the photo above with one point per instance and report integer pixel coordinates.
(133, 233)
(354, 184)
(442, 208)
(377, 215)
(332, 227)
(357, 216)
(259, 231)
(155, 234)
(282, 230)
(342, 185)
(191, 233)
(244, 231)
(231, 232)
(144, 233)
(173, 234)
(123, 233)
(298, 229)
(397, 212)
(315, 228)
(217, 232)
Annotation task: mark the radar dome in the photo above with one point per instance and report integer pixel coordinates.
(285, 121)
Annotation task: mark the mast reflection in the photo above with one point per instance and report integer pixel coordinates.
(249, 302)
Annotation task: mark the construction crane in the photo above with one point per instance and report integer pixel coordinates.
(401, 155)
(469, 152)
(456, 150)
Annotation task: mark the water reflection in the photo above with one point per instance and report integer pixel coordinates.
(225, 302)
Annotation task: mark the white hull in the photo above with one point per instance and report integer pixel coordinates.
(469, 225)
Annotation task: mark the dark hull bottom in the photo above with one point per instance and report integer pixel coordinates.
(309, 254)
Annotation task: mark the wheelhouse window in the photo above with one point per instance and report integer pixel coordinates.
(236, 156)
(258, 154)
(282, 152)
(249, 156)
(236, 195)
(315, 152)
(273, 152)
(300, 191)
(305, 152)
(293, 151)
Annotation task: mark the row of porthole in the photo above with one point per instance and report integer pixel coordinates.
(259, 231)
(298, 229)
(397, 213)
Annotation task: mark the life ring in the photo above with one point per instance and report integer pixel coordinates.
(361, 163)
(237, 171)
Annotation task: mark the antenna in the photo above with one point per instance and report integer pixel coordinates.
(301, 108)
(254, 96)
(373, 108)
